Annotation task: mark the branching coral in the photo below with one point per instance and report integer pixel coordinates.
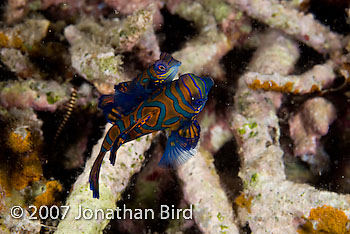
(262, 169)
(25, 36)
(39, 95)
(101, 47)
(128, 7)
(95, 49)
(215, 130)
(295, 23)
(16, 10)
(22, 225)
(306, 129)
(92, 61)
(19, 63)
(201, 55)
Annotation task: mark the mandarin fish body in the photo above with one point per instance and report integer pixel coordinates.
(128, 95)
(174, 106)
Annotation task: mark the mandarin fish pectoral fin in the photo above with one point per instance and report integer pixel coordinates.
(125, 136)
(181, 146)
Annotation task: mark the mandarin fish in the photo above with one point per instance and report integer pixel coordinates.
(174, 106)
(128, 95)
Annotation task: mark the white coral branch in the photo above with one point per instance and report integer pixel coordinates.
(211, 208)
(303, 26)
(113, 181)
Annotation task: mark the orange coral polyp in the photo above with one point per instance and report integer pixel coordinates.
(4, 41)
(271, 86)
(14, 41)
(20, 143)
(28, 170)
(244, 202)
(49, 196)
(328, 220)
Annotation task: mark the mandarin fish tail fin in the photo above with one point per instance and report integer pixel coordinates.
(110, 137)
(94, 175)
(181, 146)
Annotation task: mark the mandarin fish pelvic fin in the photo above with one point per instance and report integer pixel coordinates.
(94, 175)
(181, 146)
(125, 136)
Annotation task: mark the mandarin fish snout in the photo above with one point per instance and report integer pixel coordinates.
(172, 106)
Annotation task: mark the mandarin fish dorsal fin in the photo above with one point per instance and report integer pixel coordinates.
(181, 146)
(124, 100)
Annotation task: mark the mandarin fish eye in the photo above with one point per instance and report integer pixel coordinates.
(198, 102)
(161, 67)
